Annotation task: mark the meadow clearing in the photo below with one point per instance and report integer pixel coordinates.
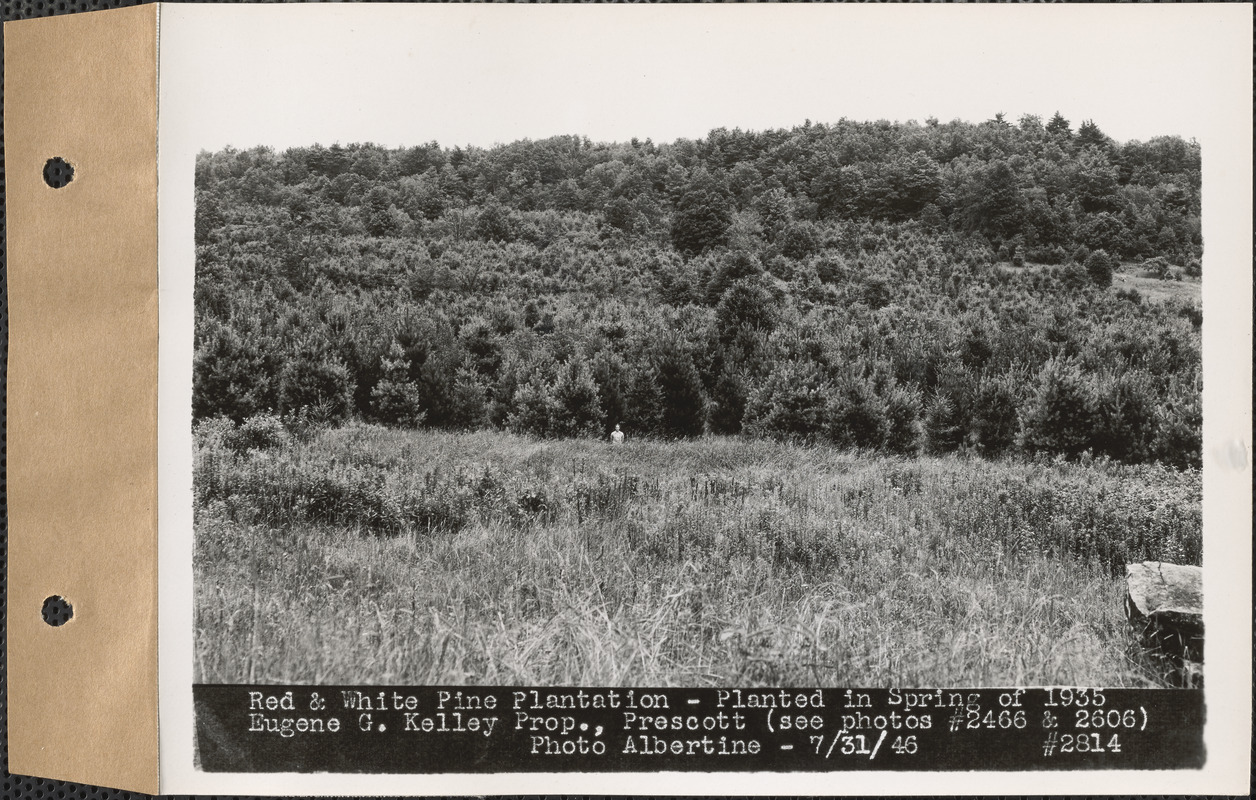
(362, 554)
(1131, 278)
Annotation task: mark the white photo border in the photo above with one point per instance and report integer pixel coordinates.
(320, 65)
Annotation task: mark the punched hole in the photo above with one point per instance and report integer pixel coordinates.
(57, 610)
(58, 172)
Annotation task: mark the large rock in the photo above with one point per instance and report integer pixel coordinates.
(1166, 605)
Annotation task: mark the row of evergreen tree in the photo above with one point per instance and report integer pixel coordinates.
(1030, 185)
(560, 287)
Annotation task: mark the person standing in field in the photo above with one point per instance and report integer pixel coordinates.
(617, 436)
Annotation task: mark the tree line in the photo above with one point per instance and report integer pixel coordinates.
(895, 286)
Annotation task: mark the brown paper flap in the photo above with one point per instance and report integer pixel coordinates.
(82, 396)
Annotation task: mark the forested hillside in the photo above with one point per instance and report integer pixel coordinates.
(900, 287)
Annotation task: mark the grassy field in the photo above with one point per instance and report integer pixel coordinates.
(366, 555)
(1131, 276)
(1154, 288)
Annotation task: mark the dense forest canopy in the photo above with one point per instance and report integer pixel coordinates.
(896, 286)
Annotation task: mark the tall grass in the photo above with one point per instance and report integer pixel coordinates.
(368, 555)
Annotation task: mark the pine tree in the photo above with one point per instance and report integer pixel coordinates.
(232, 375)
(378, 213)
(728, 397)
(856, 415)
(1089, 135)
(745, 305)
(995, 416)
(1100, 266)
(703, 216)
(790, 403)
(1058, 126)
(533, 407)
(776, 210)
(680, 389)
(395, 399)
(643, 399)
(470, 398)
(902, 413)
(318, 382)
(1125, 410)
(578, 409)
(943, 429)
(1061, 415)
(610, 373)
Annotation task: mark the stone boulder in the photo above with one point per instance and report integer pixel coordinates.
(1165, 604)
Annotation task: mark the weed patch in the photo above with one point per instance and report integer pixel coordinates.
(365, 554)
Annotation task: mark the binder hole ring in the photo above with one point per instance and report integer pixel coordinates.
(58, 172)
(57, 610)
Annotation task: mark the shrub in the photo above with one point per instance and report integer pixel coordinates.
(943, 431)
(316, 381)
(1125, 424)
(1054, 255)
(212, 433)
(1060, 417)
(876, 292)
(1100, 266)
(830, 269)
(578, 409)
(1179, 423)
(1074, 276)
(995, 421)
(395, 398)
(790, 404)
(902, 414)
(855, 416)
(1130, 295)
(681, 395)
(799, 240)
(1158, 267)
(534, 406)
(1188, 311)
(260, 432)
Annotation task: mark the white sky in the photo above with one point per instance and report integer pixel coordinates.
(288, 75)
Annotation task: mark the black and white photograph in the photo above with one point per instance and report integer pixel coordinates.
(845, 403)
(849, 402)
(657, 363)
